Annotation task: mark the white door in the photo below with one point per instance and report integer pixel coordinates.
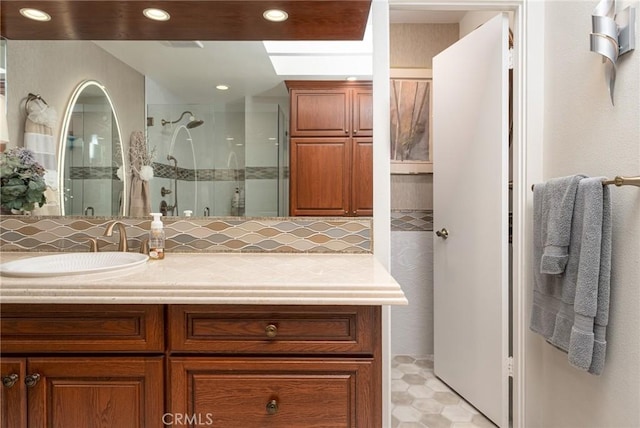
(471, 328)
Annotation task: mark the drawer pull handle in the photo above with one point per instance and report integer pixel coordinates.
(9, 381)
(31, 380)
(272, 407)
(271, 331)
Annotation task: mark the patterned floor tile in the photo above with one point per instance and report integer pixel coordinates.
(420, 400)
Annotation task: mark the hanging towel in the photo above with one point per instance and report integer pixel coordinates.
(587, 343)
(557, 213)
(570, 310)
(139, 196)
(38, 137)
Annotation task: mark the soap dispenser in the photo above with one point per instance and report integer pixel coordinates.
(156, 238)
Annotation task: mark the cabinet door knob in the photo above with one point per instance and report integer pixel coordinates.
(31, 380)
(355, 131)
(10, 380)
(272, 407)
(271, 331)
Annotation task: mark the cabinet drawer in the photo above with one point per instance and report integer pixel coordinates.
(280, 330)
(81, 328)
(259, 392)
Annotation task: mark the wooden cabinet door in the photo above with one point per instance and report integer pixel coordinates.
(13, 393)
(362, 111)
(319, 182)
(362, 177)
(287, 393)
(96, 392)
(320, 112)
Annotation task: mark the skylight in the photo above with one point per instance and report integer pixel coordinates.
(322, 57)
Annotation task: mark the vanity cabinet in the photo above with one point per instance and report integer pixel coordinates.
(59, 366)
(220, 365)
(331, 148)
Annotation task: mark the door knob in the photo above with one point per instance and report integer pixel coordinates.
(443, 233)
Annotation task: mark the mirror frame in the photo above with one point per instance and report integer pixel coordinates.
(63, 138)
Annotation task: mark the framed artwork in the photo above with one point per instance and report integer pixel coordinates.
(411, 124)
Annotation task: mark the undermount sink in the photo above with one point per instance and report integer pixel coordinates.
(72, 264)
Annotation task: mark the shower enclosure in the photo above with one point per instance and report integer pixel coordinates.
(230, 161)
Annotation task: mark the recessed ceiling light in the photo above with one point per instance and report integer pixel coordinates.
(275, 15)
(35, 14)
(229, 138)
(222, 87)
(352, 78)
(156, 14)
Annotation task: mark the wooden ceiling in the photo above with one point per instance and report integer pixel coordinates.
(190, 20)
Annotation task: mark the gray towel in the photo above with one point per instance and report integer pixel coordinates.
(571, 309)
(557, 214)
(587, 343)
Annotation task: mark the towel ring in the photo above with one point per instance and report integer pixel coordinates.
(33, 97)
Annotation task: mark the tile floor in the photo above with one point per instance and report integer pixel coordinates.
(420, 400)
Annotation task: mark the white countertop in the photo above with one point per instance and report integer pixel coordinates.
(214, 278)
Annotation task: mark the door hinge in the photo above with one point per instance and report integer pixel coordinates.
(510, 366)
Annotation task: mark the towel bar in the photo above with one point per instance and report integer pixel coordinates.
(618, 181)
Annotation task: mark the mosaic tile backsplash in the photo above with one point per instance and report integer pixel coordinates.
(412, 220)
(220, 234)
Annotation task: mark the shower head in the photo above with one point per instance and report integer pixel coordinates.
(192, 120)
(193, 123)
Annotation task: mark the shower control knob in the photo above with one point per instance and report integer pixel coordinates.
(164, 191)
(443, 233)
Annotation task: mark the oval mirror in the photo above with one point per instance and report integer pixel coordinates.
(91, 154)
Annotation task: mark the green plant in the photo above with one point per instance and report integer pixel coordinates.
(22, 182)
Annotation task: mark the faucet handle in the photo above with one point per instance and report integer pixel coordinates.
(93, 245)
(144, 246)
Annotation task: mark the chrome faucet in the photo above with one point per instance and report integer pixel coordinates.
(122, 243)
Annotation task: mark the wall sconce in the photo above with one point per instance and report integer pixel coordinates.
(613, 35)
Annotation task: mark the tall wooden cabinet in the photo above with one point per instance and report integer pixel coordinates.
(331, 165)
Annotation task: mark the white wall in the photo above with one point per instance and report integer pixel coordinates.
(584, 133)
(412, 267)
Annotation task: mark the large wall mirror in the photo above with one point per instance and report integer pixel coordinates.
(90, 155)
(218, 152)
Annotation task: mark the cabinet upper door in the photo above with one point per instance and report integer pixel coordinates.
(320, 112)
(362, 110)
